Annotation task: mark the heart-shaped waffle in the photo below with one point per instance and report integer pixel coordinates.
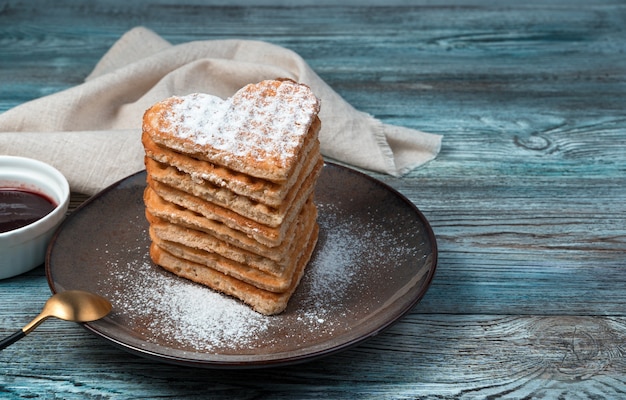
(259, 131)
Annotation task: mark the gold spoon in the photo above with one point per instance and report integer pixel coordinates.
(71, 305)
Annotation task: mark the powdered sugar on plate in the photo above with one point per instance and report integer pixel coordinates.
(175, 311)
(183, 314)
(349, 253)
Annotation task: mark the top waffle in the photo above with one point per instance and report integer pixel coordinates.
(259, 131)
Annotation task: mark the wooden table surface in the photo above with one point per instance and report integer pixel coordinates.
(527, 197)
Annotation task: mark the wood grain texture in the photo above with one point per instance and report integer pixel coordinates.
(527, 198)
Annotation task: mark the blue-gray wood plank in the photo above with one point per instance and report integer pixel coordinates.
(527, 198)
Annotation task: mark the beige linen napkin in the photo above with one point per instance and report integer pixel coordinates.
(91, 132)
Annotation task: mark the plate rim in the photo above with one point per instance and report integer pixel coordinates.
(432, 258)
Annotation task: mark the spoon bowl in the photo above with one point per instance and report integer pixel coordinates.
(71, 305)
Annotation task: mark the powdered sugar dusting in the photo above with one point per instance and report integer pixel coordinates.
(267, 120)
(350, 253)
(343, 283)
(176, 311)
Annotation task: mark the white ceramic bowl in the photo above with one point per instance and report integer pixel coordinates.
(24, 248)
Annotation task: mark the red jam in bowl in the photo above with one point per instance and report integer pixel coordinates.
(19, 207)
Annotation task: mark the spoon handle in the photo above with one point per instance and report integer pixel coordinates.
(12, 339)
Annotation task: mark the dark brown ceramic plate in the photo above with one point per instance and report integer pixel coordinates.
(374, 260)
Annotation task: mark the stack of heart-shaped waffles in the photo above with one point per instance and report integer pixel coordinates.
(230, 189)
